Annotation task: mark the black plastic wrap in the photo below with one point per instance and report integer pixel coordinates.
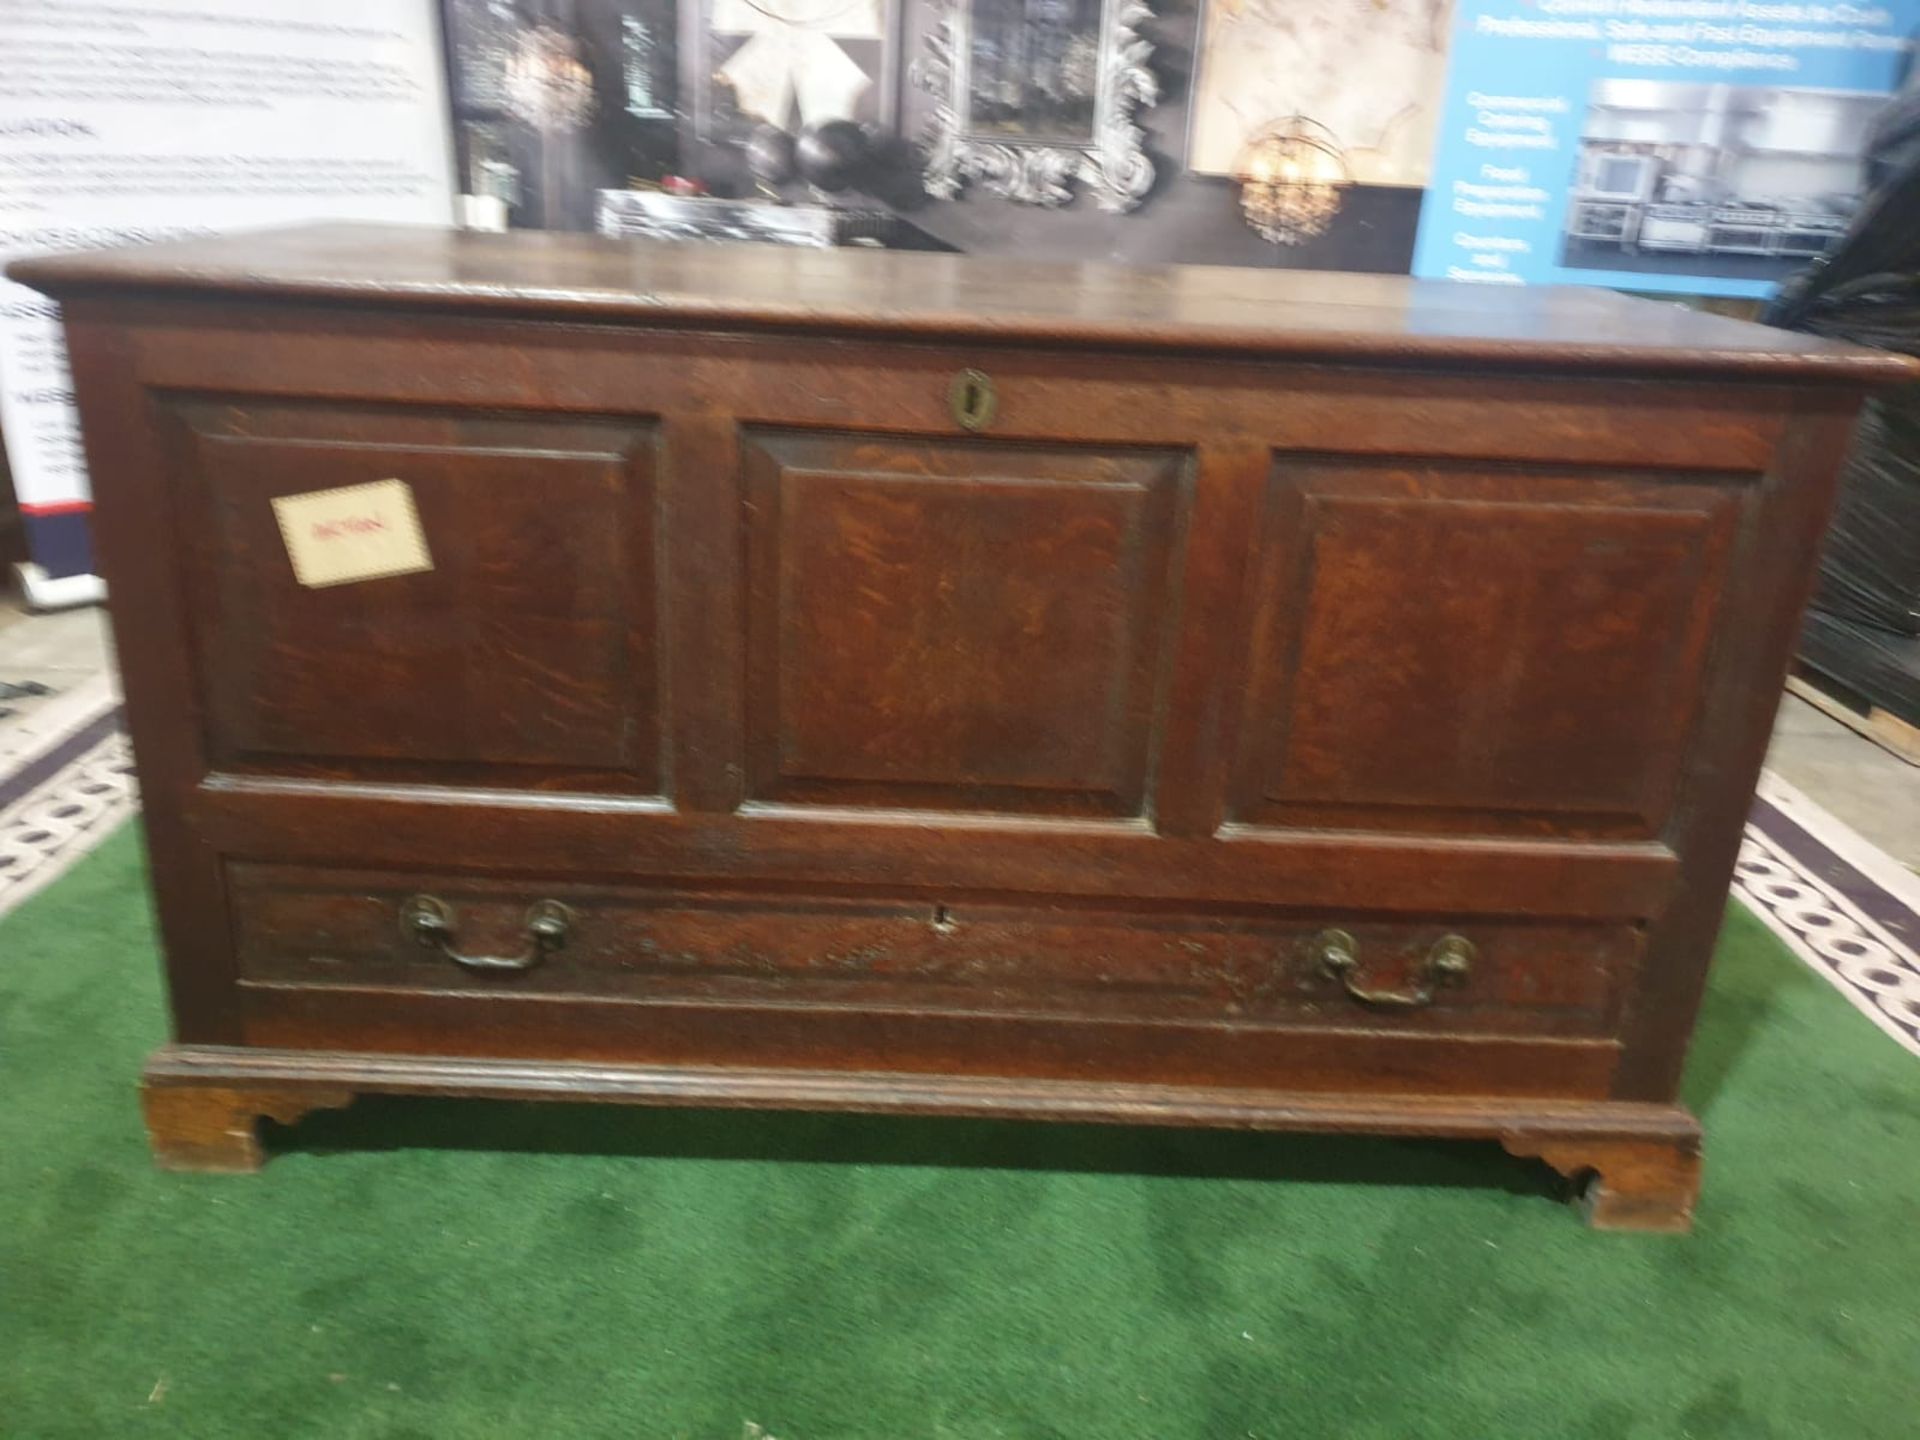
(1868, 291)
(1876, 665)
(1871, 568)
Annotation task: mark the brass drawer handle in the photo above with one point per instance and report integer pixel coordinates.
(974, 400)
(1447, 963)
(430, 921)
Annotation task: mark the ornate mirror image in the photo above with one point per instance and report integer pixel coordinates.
(1034, 70)
(1033, 96)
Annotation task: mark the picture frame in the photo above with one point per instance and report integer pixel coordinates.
(1258, 63)
(1032, 99)
(808, 60)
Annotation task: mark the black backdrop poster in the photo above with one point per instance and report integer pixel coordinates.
(1236, 132)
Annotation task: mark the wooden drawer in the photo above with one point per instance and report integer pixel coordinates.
(301, 929)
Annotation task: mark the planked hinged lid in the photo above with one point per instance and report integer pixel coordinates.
(1291, 314)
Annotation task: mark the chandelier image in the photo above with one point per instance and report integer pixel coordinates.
(546, 85)
(1293, 177)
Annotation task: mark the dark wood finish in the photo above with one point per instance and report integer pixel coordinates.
(957, 626)
(513, 834)
(1769, 591)
(133, 521)
(216, 1127)
(534, 632)
(875, 764)
(337, 928)
(1636, 1165)
(1312, 315)
(1478, 708)
(737, 1034)
(1638, 1183)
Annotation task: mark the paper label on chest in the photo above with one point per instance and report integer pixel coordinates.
(356, 532)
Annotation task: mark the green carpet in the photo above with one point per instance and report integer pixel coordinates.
(446, 1269)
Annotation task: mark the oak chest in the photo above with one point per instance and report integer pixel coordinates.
(923, 683)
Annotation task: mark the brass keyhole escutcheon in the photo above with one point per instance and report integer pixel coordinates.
(974, 400)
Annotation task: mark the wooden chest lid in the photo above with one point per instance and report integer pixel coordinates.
(1291, 314)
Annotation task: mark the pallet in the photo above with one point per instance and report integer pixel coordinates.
(1883, 727)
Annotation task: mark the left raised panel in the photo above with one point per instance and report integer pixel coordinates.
(526, 656)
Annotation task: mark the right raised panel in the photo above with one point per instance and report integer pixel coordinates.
(1458, 648)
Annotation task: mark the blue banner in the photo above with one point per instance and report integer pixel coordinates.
(1705, 146)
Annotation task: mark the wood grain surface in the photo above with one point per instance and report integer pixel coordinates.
(882, 755)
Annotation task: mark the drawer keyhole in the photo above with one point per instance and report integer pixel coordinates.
(974, 400)
(943, 922)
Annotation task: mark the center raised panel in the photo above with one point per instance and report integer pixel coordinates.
(1442, 647)
(957, 625)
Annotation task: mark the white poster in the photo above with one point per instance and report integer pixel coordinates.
(1370, 73)
(139, 119)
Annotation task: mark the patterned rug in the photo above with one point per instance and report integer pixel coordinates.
(1847, 909)
(66, 783)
